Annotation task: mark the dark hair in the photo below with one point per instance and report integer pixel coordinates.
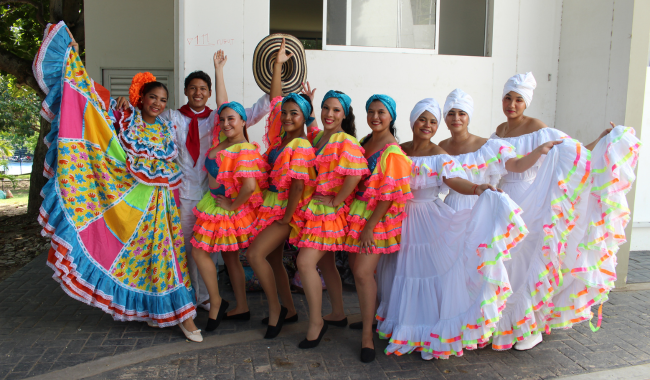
(148, 87)
(200, 75)
(393, 130)
(308, 101)
(348, 123)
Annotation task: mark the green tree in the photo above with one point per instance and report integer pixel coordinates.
(21, 32)
(19, 118)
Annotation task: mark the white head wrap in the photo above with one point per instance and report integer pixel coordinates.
(461, 100)
(522, 84)
(428, 104)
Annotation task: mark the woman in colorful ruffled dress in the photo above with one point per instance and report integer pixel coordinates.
(376, 214)
(291, 158)
(340, 165)
(444, 291)
(574, 205)
(108, 206)
(227, 213)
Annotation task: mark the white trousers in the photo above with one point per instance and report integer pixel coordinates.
(188, 219)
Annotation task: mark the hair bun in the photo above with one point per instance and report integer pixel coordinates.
(139, 80)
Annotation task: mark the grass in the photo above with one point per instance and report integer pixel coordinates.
(20, 197)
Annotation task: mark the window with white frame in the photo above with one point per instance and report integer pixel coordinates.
(454, 27)
(409, 24)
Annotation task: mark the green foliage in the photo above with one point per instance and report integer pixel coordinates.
(12, 178)
(20, 31)
(19, 116)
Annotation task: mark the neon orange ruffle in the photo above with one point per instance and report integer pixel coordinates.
(296, 161)
(325, 227)
(388, 182)
(217, 229)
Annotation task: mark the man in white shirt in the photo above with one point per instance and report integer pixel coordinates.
(194, 124)
(195, 178)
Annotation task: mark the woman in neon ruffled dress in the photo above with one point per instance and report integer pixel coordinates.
(574, 205)
(227, 213)
(340, 165)
(443, 292)
(292, 159)
(108, 206)
(376, 214)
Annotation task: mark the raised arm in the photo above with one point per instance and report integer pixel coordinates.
(220, 60)
(276, 79)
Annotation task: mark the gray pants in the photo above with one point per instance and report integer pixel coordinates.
(187, 224)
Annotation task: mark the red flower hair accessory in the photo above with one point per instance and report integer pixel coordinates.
(135, 91)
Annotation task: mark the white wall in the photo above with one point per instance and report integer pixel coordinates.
(132, 34)
(234, 26)
(406, 77)
(593, 66)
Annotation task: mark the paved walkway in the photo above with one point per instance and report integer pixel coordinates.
(45, 332)
(639, 267)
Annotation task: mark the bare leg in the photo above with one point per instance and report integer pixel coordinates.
(189, 325)
(282, 279)
(364, 278)
(327, 266)
(238, 281)
(266, 244)
(308, 258)
(209, 274)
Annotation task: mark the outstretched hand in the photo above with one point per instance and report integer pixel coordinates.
(480, 189)
(546, 147)
(306, 90)
(219, 59)
(282, 56)
(606, 131)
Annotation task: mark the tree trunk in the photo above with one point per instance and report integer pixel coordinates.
(36, 179)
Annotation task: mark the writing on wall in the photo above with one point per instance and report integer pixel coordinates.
(204, 40)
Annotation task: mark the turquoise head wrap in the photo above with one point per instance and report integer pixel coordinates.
(237, 107)
(304, 105)
(386, 101)
(344, 99)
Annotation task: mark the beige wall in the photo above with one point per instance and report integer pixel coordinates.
(602, 77)
(133, 34)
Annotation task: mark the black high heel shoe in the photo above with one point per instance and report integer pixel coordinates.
(313, 343)
(214, 323)
(359, 326)
(342, 323)
(367, 354)
(238, 317)
(273, 331)
(291, 319)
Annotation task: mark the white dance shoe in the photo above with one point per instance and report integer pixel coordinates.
(194, 336)
(152, 323)
(204, 306)
(529, 342)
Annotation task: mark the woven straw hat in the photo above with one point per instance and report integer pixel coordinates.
(294, 71)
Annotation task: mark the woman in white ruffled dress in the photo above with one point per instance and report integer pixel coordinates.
(445, 289)
(483, 160)
(567, 262)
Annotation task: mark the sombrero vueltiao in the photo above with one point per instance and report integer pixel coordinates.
(294, 71)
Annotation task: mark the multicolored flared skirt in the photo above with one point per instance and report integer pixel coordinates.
(219, 230)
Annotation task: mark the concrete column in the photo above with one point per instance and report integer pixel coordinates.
(640, 43)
